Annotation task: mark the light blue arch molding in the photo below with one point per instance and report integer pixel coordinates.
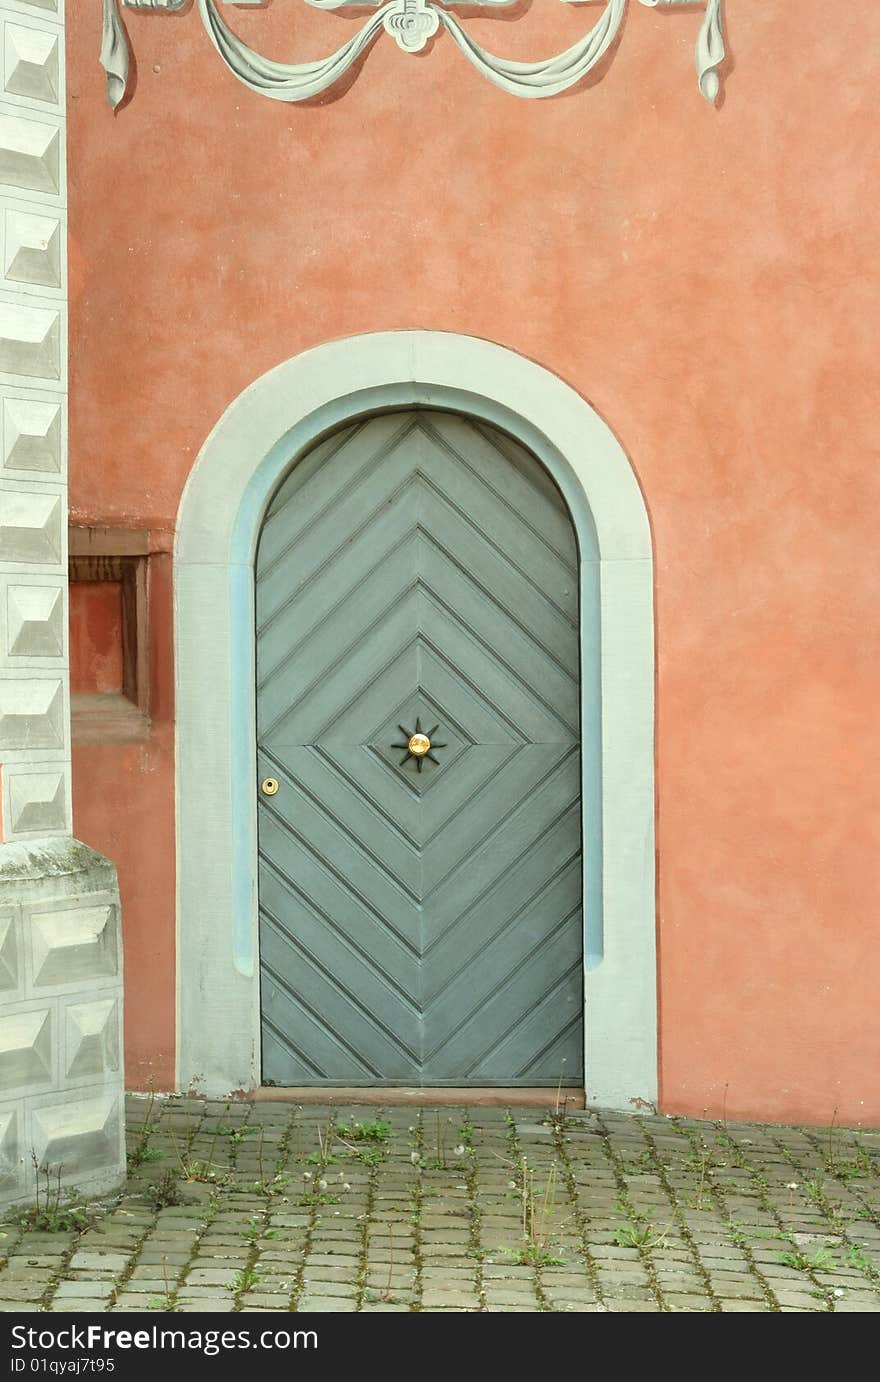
(411, 23)
(264, 432)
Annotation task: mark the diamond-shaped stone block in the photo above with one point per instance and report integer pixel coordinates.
(30, 341)
(34, 621)
(30, 63)
(30, 526)
(32, 435)
(32, 252)
(82, 1135)
(37, 803)
(9, 957)
(92, 1038)
(25, 1049)
(30, 154)
(32, 714)
(73, 946)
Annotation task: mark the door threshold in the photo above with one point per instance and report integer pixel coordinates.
(544, 1096)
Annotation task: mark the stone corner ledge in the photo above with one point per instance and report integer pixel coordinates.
(58, 865)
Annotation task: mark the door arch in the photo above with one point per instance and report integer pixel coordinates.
(273, 424)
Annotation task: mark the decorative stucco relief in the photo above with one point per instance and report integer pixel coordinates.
(411, 23)
(114, 53)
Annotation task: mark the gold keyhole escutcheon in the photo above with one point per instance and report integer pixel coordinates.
(419, 745)
(269, 786)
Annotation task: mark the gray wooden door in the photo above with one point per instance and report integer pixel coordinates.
(420, 916)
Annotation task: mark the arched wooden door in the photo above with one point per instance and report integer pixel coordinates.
(420, 913)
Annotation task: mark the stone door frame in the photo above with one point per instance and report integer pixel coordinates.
(263, 432)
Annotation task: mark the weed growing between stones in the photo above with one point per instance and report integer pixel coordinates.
(557, 1119)
(244, 1280)
(538, 1208)
(318, 1190)
(377, 1130)
(54, 1210)
(142, 1151)
(166, 1191)
(440, 1160)
(166, 1302)
(201, 1169)
(819, 1261)
(257, 1230)
(842, 1161)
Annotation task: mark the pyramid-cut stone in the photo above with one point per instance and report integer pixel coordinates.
(25, 1049)
(31, 435)
(30, 341)
(31, 714)
(35, 621)
(30, 63)
(30, 154)
(73, 946)
(33, 249)
(92, 1038)
(37, 803)
(30, 527)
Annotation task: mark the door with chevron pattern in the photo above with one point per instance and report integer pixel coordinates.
(418, 747)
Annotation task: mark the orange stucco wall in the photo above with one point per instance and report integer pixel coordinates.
(706, 278)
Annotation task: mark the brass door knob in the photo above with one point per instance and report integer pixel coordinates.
(269, 786)
(418, 744)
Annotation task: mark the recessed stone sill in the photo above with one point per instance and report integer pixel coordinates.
(106, 718)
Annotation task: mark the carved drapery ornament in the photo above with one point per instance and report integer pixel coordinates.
(411, 23)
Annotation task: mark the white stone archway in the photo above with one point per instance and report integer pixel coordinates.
(275, 421)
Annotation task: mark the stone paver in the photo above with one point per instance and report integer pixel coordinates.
(272, 1207)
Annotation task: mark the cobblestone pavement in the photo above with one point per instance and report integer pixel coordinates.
(260, 1207)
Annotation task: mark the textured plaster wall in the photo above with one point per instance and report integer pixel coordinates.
(706, 279)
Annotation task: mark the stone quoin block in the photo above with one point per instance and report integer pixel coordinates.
(30, 340)
(33, 249)
(37, 802)
(31, 64)
(26, 1040)
(30, 155)
(31, 526)
(34, 621)
(31, 435)
(73, 946)
(83, 1133)
(31, 714)
(91, 1038)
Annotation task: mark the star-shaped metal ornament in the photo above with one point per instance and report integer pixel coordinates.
(419, 744)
